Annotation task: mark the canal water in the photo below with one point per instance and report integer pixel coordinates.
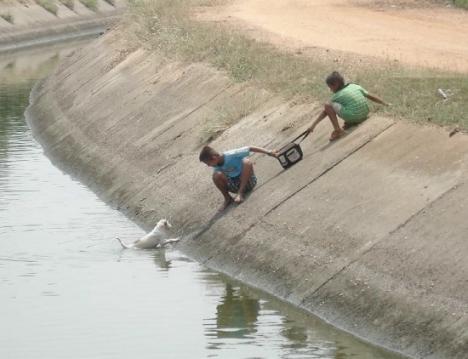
(68, 290)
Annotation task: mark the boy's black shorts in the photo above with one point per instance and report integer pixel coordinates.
(234, 184)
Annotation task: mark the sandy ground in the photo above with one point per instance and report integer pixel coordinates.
(411, 32)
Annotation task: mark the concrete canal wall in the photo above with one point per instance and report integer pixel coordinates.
(26, 24)
(369, 233)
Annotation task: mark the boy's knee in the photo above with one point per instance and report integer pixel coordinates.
(247, 162)
(328, 106)
(219, 177)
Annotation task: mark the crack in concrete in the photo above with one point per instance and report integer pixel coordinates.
(194, 110)
(363, 253)
(236, 238)
(324, 172)
(261, 219)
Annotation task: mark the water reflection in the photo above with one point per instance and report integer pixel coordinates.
(159, 258)
(237, 314)
(16, 79)
(248, 326)
(296, 335)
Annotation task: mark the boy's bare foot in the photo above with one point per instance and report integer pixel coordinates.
(347, 125)
(239, 199)
(337, 134)
(226, 204)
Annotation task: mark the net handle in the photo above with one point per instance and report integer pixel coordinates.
(303, 135)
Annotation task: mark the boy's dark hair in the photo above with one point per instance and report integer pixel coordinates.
(335, 78)
(207, 153)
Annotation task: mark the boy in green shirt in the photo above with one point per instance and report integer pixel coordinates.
(348, 102)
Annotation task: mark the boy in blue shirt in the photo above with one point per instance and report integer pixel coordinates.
(233, 171)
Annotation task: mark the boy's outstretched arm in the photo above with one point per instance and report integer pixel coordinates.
(320, 117)
(376, 99)
(263, 150)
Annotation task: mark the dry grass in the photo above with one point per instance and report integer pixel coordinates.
(461, 3)
(166, 26)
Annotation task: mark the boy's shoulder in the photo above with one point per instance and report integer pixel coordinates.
(348, 89)
(351, 86)
(354, 86)
(241, 151)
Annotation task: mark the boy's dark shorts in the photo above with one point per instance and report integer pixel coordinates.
(234, 184)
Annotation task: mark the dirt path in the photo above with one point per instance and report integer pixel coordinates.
(428, 36)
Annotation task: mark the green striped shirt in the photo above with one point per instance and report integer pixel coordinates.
(353, 101)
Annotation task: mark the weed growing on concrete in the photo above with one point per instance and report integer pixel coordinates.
(168, 26)
(68, 3)
(7, 17)
(48, 5)
(90, 4)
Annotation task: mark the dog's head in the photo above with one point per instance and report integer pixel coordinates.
(164, 224)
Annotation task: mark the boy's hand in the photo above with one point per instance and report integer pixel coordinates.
(273, 153)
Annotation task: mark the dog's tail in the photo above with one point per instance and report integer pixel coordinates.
(125, 246)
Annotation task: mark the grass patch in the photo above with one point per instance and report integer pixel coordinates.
(461, 3)
(68, 3)
(166, 26)
(7, 17)
(90, 4)
(48, 5)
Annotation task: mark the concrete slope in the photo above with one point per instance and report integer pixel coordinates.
(368, 232)
(32, 25)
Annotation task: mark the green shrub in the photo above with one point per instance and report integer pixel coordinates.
(49, 5)
(90, 4)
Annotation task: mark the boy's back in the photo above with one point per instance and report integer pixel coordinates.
(353, 101)
(232, 165)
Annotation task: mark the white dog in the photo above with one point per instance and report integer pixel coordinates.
(157, 238)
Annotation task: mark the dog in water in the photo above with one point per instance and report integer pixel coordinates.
(157, 238)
